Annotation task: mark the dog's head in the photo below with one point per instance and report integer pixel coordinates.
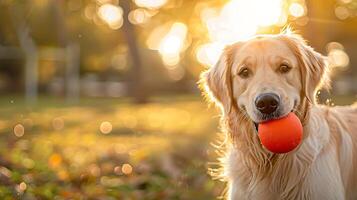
(266, 77)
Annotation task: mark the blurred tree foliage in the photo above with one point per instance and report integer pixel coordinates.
(105, 52)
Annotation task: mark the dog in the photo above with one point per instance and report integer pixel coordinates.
(283, 73)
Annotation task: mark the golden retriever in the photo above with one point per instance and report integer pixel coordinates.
(284, 72)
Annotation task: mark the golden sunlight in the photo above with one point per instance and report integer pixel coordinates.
(112, 15)
(238, 20)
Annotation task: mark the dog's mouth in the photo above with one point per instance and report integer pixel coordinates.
(273, 116)
(256, 126)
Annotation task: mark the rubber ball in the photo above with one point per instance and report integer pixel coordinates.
(281, 135)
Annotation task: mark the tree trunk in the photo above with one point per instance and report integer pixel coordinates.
(136, 88)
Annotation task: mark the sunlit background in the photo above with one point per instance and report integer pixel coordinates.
(99, 97)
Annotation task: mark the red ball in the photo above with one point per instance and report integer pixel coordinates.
(281, 135)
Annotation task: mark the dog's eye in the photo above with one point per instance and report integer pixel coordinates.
(284, 68)
(244, 73)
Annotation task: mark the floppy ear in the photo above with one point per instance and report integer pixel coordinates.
(314, 67)
(217, 83)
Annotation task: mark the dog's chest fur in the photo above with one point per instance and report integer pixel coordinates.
(292, 180)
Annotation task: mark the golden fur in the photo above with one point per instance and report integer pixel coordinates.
(324, 166)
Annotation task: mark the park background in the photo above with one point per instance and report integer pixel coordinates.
(99, 98)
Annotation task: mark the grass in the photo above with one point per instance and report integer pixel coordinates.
(109, 149)
(158, 150)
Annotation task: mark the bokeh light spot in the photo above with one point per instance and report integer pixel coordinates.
(172, 44)
(106, 127)
(19, 130)
(117, 170)
(22, 186)
(296, 10)
(342, 12)
(338, 58)
(112, 15)
(138, 16)
(127, 169)
(58, 123)
(208, 54)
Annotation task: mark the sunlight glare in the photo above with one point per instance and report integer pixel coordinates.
(238, 20)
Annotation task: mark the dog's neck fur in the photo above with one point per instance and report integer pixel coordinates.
(286, 171)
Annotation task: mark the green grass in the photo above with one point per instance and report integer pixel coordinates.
(165, 142)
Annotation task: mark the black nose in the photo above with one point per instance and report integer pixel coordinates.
(267, 103)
